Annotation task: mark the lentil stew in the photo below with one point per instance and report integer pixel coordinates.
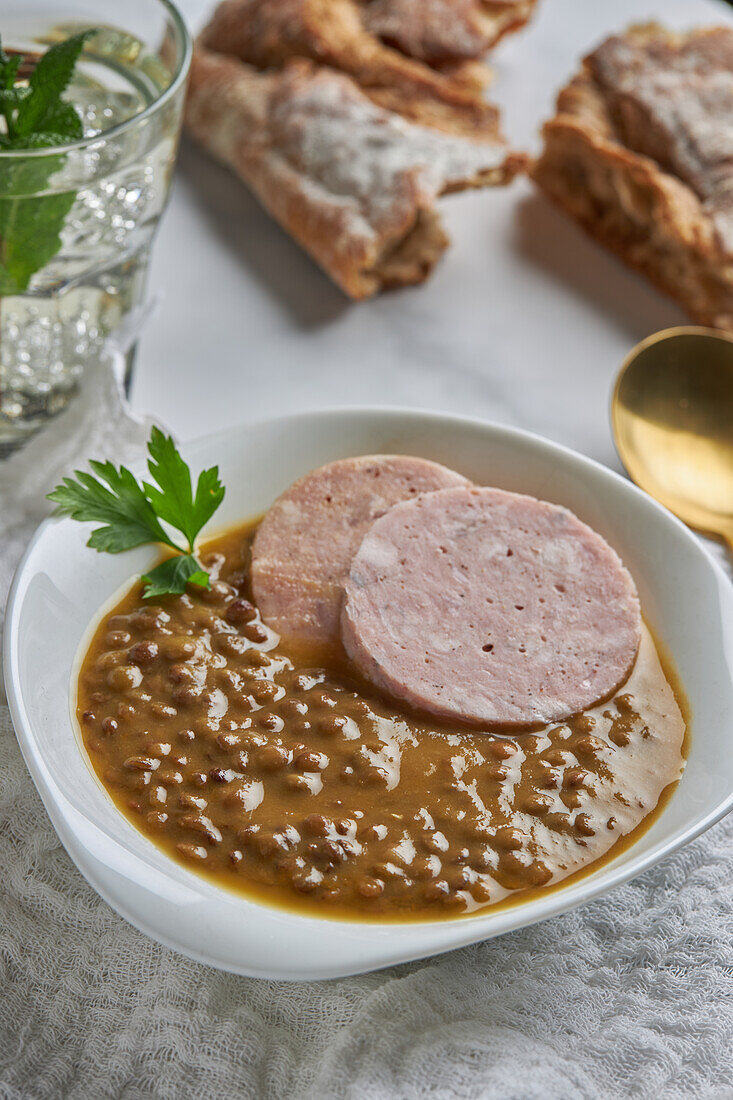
(281, 774)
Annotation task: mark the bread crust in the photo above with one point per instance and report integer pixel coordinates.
(272, 79)
(647, 178)
(268, 33)
(443, 31)
(353, 183)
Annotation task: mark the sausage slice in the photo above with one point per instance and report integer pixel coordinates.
(304, 546)
(490, 608)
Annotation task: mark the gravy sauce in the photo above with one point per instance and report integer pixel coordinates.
(276, 771)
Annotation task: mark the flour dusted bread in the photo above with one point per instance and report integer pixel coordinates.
(349, 119)
(444, 31)
(640, 152)
(268, 33)
(354, 183)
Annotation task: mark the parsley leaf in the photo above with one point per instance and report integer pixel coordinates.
(133, 514)
(128, 516)
(172, 576)
(174, 500)
(35, 117)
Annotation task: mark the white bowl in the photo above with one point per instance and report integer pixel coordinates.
(60, 586)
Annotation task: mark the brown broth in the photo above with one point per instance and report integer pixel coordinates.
(275, 771)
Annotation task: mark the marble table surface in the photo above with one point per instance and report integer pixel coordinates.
(525, 321)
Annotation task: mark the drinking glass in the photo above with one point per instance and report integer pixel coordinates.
(77, 221)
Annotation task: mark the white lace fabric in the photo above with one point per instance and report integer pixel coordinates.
(630, 996)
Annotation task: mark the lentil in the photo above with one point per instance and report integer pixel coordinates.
(302, 786)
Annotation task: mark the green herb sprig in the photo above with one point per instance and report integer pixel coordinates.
(35, 117)
(35, 114)
(132, 513)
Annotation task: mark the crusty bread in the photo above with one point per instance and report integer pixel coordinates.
(444, 31)
(349, 118)
(267, 33)
(354, 183)
(640, 152)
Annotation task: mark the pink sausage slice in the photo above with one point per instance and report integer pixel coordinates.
(490, 608)
(304, 546)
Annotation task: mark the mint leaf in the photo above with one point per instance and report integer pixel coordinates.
(30, 236)
(35, 117)
(173, 499)
(13, 97)
(172, 575)
(48, 82)
(132, 514)
(42, 140)
(9, 66)
(63, 119)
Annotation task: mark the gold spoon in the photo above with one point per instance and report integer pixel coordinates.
(672, 416)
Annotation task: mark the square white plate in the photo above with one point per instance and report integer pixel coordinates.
(61, 585)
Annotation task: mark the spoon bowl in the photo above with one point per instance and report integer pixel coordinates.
(672, 416)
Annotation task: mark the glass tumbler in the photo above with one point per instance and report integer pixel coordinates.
(77, 221)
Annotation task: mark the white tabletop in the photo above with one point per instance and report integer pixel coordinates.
(525, 320)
